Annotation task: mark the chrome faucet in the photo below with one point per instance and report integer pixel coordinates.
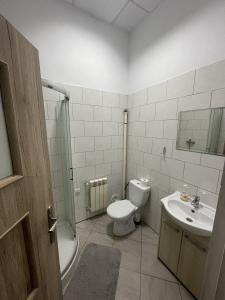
(196, 202)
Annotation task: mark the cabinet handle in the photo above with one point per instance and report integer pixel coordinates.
(194, 243)
(172, 227)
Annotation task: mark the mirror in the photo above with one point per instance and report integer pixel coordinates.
(202, 131)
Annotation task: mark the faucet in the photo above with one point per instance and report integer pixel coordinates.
(196, 201)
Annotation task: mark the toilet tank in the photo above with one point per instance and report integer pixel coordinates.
(138, 194)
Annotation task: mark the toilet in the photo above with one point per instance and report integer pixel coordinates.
(123, 212)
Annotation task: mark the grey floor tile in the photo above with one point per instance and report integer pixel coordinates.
(102, 219)
(135, 235)
(149, 234)
(87, 224)
(185, 295)
(157, 289)
(128, 246)
(128, 285)
(103, 228)
(101, 239)
(131, 262)
(151, 265)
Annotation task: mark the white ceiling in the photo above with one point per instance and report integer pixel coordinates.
(126, 14)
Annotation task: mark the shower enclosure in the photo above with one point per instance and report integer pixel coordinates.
(56, 100)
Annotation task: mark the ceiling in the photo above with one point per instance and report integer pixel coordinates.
(126, 14)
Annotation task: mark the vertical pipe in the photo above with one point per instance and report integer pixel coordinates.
(125, 123)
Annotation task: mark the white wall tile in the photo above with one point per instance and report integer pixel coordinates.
(181, 86)
(210, 77)
(86, 173)
(111, 100)
(154, 129)
(117, 142)
(134, 114)
(113, 155)
(203, 177)
(170, 129)
(94, 158)
(51, 128)
(103, 143)
(102, 113)
(57, 179)
(55, 162)
(213, 161)
(123, 101)
(159, 144)
(137, 129)
(152, 161)
(76, 93)
(218, 98)
(77, 128)
(166, 110)
(208, 198)
(173, 168)
(186, 156)
(193, 102)
(102, 170)
(78, 160)
(147, 112)
(82, 112)
(147, 145)
(49, 94)
(157, 93)
(93, 128)
(117, 167)
(140, 98)
(53, 109)
(92, 97)
(83, 144)
(178, 185)
(117, 115)
(110, 128)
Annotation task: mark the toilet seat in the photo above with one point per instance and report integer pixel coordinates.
(121, 209)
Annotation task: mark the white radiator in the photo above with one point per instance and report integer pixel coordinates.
(98, 194)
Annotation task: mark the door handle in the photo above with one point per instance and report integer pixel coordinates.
(52, 222)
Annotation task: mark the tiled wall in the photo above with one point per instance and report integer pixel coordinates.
(96, 139)
(153, 115)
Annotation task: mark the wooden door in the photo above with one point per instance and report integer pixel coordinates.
(169, 244)
(29, 264)
(192, 261)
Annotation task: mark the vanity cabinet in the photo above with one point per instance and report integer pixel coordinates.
(170, 241)
(183, 253)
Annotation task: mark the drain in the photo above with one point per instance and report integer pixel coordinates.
(189, 220)
(193, 211)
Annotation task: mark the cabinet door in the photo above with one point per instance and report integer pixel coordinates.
(192, 262)
(169, 244)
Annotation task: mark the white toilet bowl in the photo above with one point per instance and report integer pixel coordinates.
(123, 211)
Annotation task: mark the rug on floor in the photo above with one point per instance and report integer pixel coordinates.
(96, 275)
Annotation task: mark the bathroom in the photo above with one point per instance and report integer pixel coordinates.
(112, 150)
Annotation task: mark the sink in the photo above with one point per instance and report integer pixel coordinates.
(198, 221)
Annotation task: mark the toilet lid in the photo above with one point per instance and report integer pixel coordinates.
(120, 209)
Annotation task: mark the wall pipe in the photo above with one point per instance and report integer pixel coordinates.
(125, 124)
(51, 85)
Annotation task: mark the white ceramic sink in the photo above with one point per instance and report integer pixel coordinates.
(198, 221)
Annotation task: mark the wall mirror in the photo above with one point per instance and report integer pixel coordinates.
(202, 131)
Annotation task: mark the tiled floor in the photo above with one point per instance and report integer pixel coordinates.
(142, 276)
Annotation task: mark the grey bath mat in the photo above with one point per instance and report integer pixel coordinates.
(96, 275)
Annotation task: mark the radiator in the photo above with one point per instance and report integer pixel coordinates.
(98, 194)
